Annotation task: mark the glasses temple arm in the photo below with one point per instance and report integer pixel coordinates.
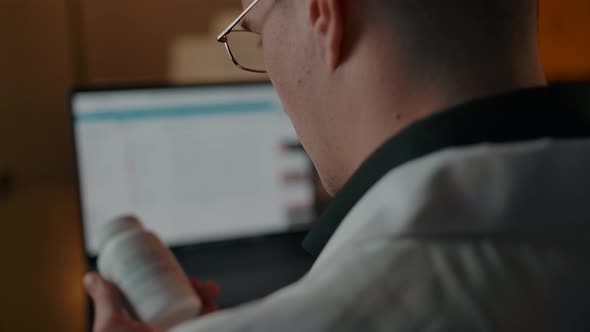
(221, 38)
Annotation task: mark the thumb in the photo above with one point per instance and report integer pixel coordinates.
(107, 300)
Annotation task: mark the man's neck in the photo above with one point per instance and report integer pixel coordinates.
(384, 98)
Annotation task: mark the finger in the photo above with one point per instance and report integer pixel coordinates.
(210, 290)
(107, 300)
(195, 283)
(207, 292)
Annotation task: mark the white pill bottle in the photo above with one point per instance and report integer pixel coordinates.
(147, 274)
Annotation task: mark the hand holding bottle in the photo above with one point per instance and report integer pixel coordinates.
(137, 267)
(112, 315)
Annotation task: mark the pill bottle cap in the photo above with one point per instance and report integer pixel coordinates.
(116, 227)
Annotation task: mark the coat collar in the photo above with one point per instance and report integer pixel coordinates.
(558, 112)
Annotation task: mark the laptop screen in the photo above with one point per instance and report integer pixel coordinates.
(195, 164)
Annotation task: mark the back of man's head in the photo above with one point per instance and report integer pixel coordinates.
(351, 73)
(458, 35)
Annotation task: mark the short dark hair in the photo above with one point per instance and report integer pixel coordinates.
(448, 34)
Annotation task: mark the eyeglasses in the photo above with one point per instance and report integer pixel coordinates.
(246, 46)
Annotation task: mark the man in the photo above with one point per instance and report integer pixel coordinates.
(461, 183)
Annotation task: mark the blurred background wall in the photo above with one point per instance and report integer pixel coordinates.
(35, 74)
(48, 47)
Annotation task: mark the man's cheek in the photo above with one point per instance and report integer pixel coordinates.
(278, 67)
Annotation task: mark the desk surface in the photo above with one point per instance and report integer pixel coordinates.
(42, 262)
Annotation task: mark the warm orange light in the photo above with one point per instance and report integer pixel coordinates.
(565, 39)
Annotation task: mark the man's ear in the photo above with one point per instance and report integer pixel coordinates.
(327, 18)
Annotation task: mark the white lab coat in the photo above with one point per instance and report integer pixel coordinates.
(482, 238)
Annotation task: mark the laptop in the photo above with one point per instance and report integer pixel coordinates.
(216, 171)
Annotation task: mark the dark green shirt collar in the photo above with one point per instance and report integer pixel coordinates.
(560, 112)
